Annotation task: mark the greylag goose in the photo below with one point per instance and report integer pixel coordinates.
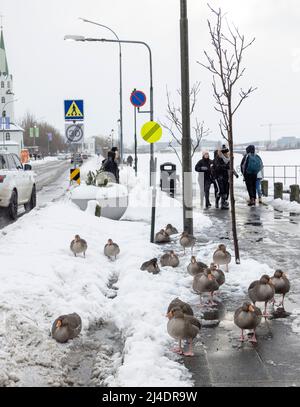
(281, 284)
(151, 266)
(111, 249)
(66, 327)
(181, 326)
(187, 240)
(218, 273)
(162, 237)
(78, 246)
(222, 256)
(170, 230)
(247, 316)
(262, 290)
(169, 259)
(205, 283)
(184, 306)
(195, 267)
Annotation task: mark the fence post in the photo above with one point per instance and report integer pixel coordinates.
(278, 190)
(264, 187)
(295, 193)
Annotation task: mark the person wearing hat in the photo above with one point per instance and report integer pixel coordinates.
(221, 176)
(203, 167)
(251, 165)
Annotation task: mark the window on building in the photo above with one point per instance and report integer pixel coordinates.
(2, 84)
(7, 136)
(3, 99)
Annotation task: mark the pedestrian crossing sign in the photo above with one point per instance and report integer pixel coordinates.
(74, 110)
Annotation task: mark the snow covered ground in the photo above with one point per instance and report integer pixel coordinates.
(41, 279)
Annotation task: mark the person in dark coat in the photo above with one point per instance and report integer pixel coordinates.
(110, 165)
(251, 165)
(203, 166)
(129, 160)
(220, 170)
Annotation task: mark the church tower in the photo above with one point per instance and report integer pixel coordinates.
(11, 137)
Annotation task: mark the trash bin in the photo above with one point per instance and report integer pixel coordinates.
(168, 178)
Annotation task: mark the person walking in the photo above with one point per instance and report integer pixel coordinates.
(251, 165)
(110, 165)
(203, 167)
(220, 170)
(129, 160)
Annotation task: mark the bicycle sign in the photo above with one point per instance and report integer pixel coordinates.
(74, 133)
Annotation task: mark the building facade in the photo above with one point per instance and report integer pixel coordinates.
(11, 135)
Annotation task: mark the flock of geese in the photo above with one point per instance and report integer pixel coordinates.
(182, 324)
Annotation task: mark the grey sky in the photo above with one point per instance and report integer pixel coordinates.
(48, 70)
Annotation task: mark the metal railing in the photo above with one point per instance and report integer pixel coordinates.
(282, 172)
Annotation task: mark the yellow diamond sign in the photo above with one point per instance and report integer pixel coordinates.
(151, 132)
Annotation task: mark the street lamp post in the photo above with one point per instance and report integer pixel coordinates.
(120, 80)
(152, 162)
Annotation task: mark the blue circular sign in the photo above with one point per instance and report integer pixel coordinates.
(138, 98)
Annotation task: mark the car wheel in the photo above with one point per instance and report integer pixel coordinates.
(13, 206)
(32, 203)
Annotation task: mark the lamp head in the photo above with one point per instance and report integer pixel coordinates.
(74, 38)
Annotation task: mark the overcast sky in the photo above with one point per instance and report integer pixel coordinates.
(48, 69)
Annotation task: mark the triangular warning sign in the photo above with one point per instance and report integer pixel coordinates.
(74, 111)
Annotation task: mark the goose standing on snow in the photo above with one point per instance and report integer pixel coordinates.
(262, 290)
(218, 273)
(181, 326)
(248, 316)
(111, 249)
(281, 284)
(162, 237)
(151, 266)
(78, 246)
(169, 259)
(170, 230)
(184, 306)
(187, 240)
(205, 283)
(222, 256)
(195, 267)
(66, 327)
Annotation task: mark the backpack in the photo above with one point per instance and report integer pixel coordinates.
(254, 164)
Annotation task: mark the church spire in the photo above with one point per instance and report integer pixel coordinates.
(3, 60)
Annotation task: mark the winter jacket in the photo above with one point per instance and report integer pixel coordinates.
(204, 165)
(109, 165)
(244, 163)
(220, 168)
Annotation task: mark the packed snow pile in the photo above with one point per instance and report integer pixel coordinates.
(285, 205)
(111, 190)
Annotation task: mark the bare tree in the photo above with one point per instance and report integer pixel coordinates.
(174, 122)
(226, 66)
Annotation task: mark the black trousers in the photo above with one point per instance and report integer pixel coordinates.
(250, 180)
(207, 184)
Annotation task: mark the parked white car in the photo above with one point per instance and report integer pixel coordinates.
(17, 184)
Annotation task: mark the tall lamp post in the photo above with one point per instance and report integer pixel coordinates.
(152, 164)
(120, 76)
(3, 114)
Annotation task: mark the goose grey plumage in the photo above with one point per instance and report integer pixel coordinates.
(66, 327)
(187, 240)
(218, 273)
(222, 256)
(281, 284)
(111, 249)
(151, 266)
(205, 283)
(247, 316)
(170, 230)
(78, 246)
(184, 306)
(169, 259)
(196, 267)
(181, 326)
(162, 237)
(262, 290)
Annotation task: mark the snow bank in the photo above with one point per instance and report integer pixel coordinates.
(111, 190)
(285, 205)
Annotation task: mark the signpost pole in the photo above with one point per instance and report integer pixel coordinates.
(135, 144)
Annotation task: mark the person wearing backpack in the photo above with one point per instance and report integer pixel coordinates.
(251, 165)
